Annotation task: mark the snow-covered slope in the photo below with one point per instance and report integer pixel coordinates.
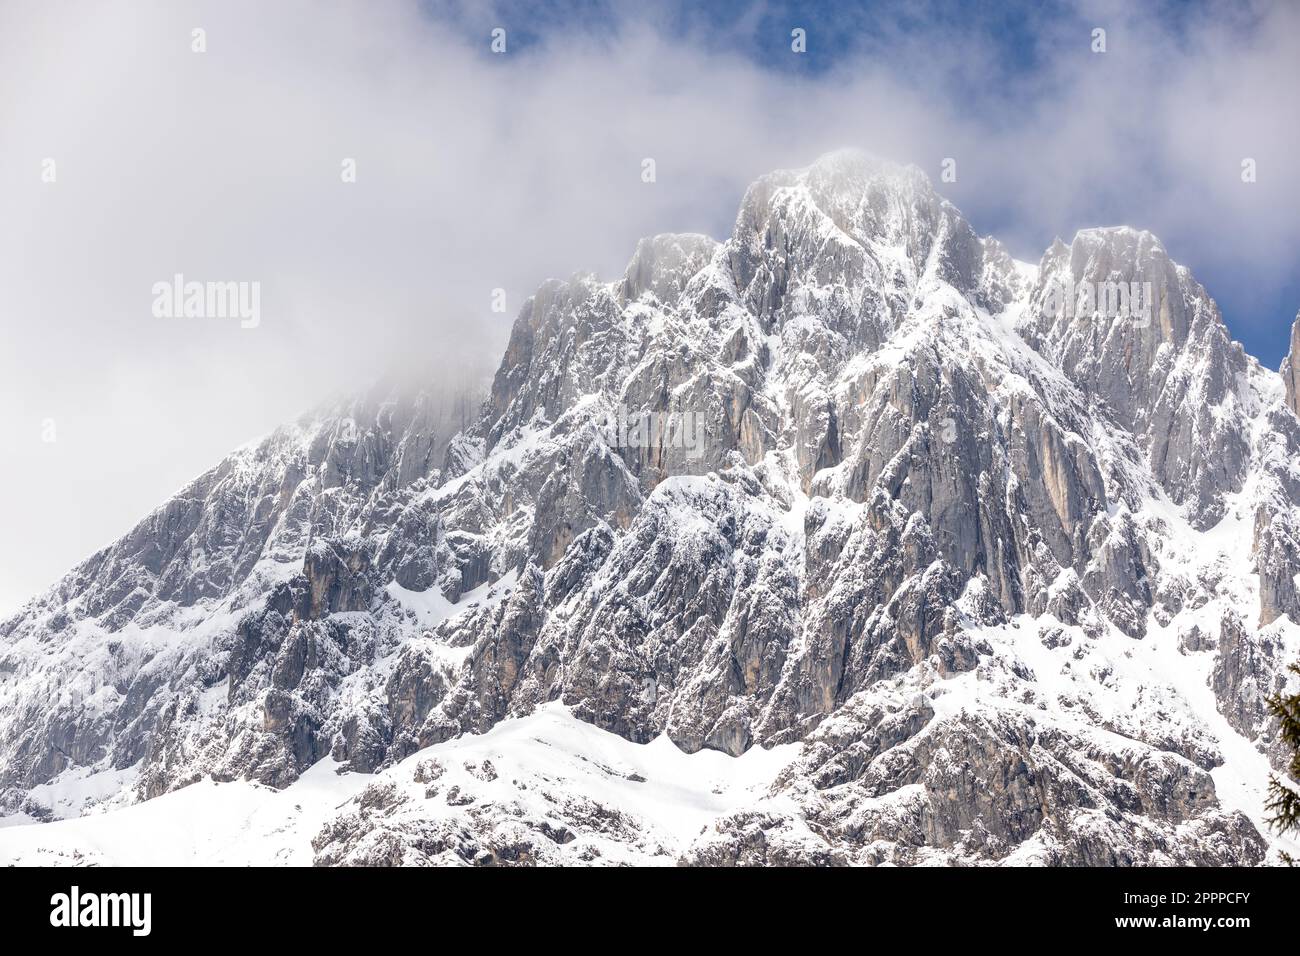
(999, 581)
(546, 788)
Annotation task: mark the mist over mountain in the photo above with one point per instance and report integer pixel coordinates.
(837, 540)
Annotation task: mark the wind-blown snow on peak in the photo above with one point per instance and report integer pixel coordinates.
(852, 221)
(664, 264)
(1014, 583)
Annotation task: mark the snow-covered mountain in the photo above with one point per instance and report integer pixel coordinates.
(936, 569)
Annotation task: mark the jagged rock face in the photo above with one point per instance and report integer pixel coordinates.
(1291, 369)
(991, 568)
(998, 784)
(1168, 373)
(271, 513)
(1277, 523)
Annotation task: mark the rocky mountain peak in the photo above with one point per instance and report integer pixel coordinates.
(662, 265)
(1150, 348)
(850, 196)
(858, 235)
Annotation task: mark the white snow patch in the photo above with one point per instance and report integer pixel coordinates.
(674, 795)
(205, 824)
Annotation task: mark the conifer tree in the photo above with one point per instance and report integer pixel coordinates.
(1284, 797)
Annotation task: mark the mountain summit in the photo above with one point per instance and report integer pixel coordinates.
(921, 560)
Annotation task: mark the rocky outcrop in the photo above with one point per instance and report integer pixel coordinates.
(1291, 370)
